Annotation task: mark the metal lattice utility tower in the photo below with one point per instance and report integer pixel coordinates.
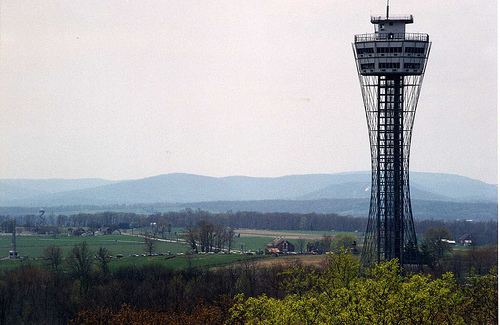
(391, 65)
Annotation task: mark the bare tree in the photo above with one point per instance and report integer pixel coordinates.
(162, 229)
(209, 236)
(301, 244)
(220, 237)
(192, 234)
(189, 260)
(149, 244)
(326, 242)
(53, 255)
(229, 234)
(80, 262)
(206, 235)
(103, 259)
(93, 226)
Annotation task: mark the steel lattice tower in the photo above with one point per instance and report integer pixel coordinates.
(391, 65)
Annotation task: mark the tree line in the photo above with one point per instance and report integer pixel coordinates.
(80, 288)
(481, 232)
(209, 237)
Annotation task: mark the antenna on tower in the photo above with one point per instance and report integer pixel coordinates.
(387, 11)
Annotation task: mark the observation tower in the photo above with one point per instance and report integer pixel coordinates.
(391, 65)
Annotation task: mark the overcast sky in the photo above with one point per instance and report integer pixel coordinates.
(128, 89)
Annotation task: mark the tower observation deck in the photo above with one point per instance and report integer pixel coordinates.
(391, 65)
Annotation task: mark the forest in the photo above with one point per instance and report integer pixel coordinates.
(337, 292)
(452, 286)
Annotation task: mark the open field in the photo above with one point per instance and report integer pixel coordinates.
(183, 261)
(256, 239)
(290, 234)
(33, 246)
(282, 233)
(251, 243)
(176, 262)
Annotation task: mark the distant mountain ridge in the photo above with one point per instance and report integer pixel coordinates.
(54, 185)
(184, 188)
(358, 190)
(13, 189)
(422, 209)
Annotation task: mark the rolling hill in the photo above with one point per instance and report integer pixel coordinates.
(183, 188)
(340, 190)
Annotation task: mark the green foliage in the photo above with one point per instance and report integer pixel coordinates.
(433, 247)
(343, 240)
(341, 295)
(298, 279)
(482, 298)
(342, 268)
(334, 294)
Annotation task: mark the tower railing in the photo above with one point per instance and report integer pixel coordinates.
(381, 18)
(372, 37)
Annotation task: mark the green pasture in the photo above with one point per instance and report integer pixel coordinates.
(33, 246)
(251, 243)
(182, 261)
(259, 243)
(176, 262)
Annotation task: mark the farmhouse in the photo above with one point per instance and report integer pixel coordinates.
(279, 246)
(465, 239)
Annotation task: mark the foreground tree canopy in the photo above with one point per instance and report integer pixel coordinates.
(342, 295)
(81, 289)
